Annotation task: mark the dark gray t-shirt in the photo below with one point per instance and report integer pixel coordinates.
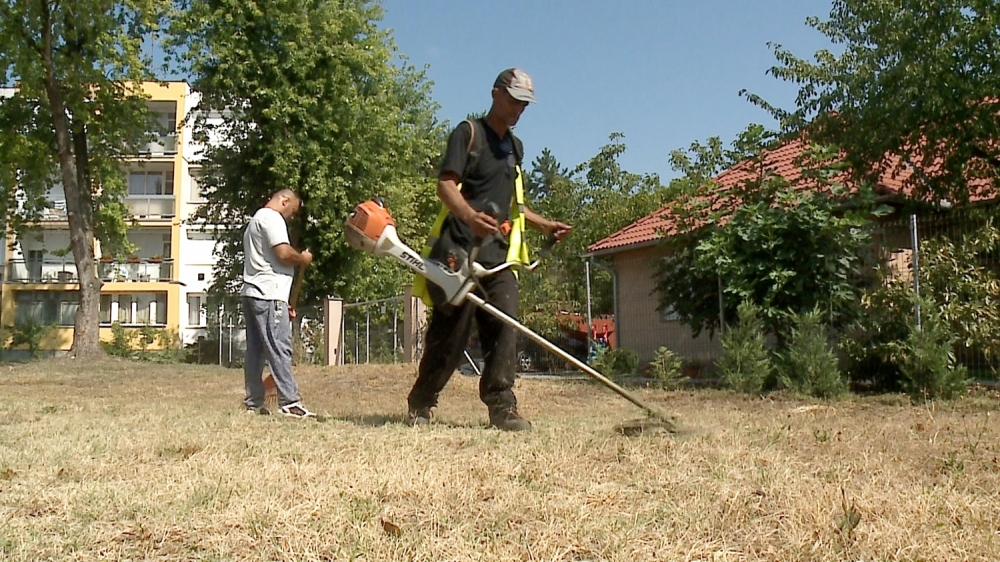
(487, 173)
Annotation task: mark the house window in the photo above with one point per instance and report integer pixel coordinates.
(135, 310)
(197, 191)
(668, 315)
(46, 308)
(166, 122)
(196, 309)
(35, 260)
(151, 183)
(105, 309)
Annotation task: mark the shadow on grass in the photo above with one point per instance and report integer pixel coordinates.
(380, 420)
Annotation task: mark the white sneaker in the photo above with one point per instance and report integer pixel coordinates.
(296, 410)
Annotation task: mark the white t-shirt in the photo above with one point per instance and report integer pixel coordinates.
(264, 275)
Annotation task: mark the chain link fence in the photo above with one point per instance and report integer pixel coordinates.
(944, 267)
(372, 331)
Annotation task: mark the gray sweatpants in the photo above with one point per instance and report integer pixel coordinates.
(269, 338)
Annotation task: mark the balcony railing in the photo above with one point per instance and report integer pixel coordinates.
(161, 144)
(142, 271)
(41, 271)
(64, 271)
(160, 206)
(55, 211)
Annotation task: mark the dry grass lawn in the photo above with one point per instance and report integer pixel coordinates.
(127, 461)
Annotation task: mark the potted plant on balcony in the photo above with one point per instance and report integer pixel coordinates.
(156, 259)
(133, 259)
(107, 258)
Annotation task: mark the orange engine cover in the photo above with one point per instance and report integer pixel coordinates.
(370, 218)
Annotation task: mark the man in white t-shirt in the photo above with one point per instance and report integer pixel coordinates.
(268, 270)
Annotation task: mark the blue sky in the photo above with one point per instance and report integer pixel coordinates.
(664, 73)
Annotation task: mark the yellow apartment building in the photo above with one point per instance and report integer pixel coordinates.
(40, 283)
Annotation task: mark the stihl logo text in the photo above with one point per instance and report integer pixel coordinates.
(413, 260)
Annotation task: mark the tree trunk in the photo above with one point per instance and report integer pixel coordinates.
(86, 330)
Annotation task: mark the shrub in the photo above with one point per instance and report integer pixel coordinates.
(30, 334)
(124, 342)
(810, 366)
(873, 346)
(614, 363)
(745, 364)
(928, 365)
(121, 342)
(666, 369)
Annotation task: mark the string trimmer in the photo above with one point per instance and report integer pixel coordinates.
(371, 228)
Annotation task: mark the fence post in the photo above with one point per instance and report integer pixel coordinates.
(333, 313)
(590, 320)
(915, 242)
(414, 318)
(722, 309)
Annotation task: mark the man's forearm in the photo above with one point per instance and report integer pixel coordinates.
(297, 258)
(452, 198)
(536, 221)
(289, 256)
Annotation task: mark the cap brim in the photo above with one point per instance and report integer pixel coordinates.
(522, 95)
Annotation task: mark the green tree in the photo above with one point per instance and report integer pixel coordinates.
(307, 97)
(75, 114)
(597, 197)
(915, 78)
(783, 245)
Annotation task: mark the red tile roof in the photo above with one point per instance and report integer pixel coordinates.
(784, 161)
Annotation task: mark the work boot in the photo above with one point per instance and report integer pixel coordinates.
(419, 416)
(509, 420)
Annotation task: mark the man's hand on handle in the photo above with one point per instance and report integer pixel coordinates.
(306, 258)
(557, 230)
(481, 223)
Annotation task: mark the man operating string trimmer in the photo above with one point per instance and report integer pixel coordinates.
(480, 184)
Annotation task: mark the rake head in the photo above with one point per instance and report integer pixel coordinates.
(270, 394)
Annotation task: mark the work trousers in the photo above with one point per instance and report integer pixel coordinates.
(448, 334)
(269, 338)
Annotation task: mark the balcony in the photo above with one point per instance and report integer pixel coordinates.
(161, 145)
(135, 271)
(64, 271)
(55, 211)
(150, 206)
(41, 271)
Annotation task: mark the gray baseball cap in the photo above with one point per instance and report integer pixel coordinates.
(518, 84)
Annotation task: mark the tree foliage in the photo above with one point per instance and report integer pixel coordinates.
(597, 197)
(76, 112)
(307, 96)
(915, 78)
(782, 245)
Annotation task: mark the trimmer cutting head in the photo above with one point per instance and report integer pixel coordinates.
(651, 424)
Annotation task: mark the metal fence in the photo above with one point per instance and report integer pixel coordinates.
(372, 331)
(950, 261)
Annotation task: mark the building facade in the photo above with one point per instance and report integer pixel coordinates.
(162, 283)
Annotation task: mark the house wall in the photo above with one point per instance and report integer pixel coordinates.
(640, 326)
